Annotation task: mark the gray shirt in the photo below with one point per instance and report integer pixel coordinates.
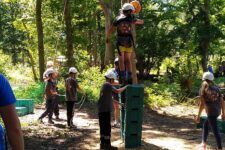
(71, 89)
(105, 99)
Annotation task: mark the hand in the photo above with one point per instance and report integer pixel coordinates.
(223, 116)
(197, 119)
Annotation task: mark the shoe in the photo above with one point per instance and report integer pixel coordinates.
(50, 121)
(102, 146)
(202, 146)
(40, 120)
(57, 117)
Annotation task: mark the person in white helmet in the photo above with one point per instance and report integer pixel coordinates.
(71, 94)
(125, 44)
(105, 105)
(212, 100)
(50, 95)
(50, 65)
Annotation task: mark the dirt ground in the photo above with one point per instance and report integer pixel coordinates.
(168, 128)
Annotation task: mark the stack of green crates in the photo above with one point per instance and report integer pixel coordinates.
(132, 116)
(221, 123)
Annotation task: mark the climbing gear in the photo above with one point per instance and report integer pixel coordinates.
(127, 6)
(208, 76)
(110, 75)
(73, 70)
(137, 6)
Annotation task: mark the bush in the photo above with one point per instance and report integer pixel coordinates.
(157, 95)
(32, 91)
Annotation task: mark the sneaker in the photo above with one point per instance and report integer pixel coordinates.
(202, 146)
(40, 120)
(50, 121)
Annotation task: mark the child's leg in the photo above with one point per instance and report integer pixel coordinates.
(205, 131)
(107, 124)
(215, 130)
(102, 129)
(50, 109)
(122, 66)
(47, 107)
(128, 65)
(56, 107)
(116, 111)
(69, 112)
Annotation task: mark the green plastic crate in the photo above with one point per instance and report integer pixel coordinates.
(134, 97)
(134, 115)
(202, 120)
(132, 141)
(22, 111)
(62, 99)
(29, 103)
(133, 127)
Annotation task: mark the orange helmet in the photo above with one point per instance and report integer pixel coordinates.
(137, 6)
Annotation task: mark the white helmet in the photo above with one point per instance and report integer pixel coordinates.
(110, 74)
(50, 71)
(50, 64)
(208, 76)
(128, 6)
(73, 70)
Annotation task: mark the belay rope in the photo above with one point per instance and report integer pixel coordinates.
(80, 103)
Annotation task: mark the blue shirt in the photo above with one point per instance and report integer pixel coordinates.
(6, 94)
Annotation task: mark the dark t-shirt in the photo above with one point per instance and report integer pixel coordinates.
(50, 86)
(6, 94)
(124, 30)
(212, 100)
(71, 89)
(105, 99)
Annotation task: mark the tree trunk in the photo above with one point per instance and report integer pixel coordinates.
(108, 59)
(40, 39)
(205, 42)
(69, 35)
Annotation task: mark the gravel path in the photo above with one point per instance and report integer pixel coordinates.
(169, 128)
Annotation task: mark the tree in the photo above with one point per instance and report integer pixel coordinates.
(40, 38)
(106, 6)
(69, 34)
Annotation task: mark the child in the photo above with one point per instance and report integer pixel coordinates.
(115, 95)
(50, 65)
(212, 101)
(125, 42)
(71, 94)
(104, 110)
(50, 95)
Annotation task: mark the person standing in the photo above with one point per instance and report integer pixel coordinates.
(9, 116)
(50, 65)
(212, 100)
(105, 105)
(71, 94)
(50, 95)
(125, 41)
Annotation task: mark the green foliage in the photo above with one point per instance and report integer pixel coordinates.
(91, 81)
(162, 94)
(33, 90)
